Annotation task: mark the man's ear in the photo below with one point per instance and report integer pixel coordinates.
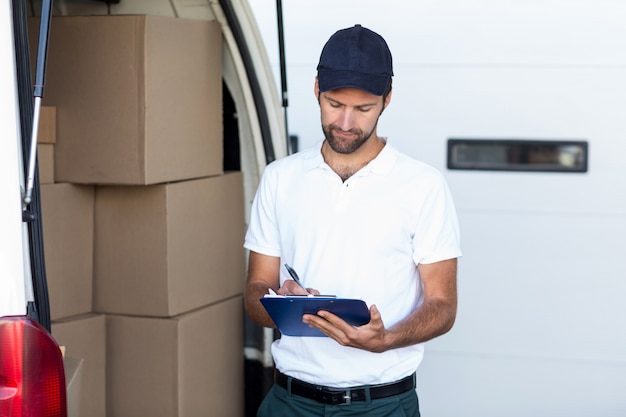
(316, 89)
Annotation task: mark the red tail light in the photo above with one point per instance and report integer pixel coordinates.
(32, 378)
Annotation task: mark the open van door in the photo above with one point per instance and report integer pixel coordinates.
(32, 376)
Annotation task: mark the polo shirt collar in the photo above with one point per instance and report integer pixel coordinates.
(381, 165)
(384, 161)
(313, 157)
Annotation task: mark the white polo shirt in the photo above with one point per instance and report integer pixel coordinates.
(362, 238)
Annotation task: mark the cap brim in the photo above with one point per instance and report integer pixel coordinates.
(333, 79)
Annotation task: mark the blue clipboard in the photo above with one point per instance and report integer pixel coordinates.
(287, 312)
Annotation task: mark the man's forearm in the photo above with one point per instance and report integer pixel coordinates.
(432, 319)
(255, 310)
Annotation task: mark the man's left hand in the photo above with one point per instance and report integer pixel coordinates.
(370, 336)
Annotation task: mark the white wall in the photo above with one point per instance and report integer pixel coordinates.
(541, 317)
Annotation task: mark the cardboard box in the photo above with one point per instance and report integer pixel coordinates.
(73, 368)
(47, 130)
(85, 337)
(189, 365)
(139, 98)
(67, 212)
(163, 250)
(45, 159)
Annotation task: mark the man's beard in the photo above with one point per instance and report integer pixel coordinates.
(345, 146)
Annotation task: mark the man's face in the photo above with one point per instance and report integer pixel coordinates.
(349, 117)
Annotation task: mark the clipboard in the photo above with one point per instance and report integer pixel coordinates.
(287, 311)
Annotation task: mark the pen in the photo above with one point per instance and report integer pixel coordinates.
(295, 276)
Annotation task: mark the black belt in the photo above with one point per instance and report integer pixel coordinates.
(336, 396)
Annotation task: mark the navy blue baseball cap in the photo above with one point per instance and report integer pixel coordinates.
(355, 57)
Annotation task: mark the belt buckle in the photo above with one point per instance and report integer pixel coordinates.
(347, 397)
(335, 396)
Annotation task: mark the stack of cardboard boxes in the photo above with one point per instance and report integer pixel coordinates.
(68, 230)
(143, 230)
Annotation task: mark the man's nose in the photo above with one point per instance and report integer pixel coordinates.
(345, 120)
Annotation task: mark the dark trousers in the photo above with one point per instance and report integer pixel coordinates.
(280, 403)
